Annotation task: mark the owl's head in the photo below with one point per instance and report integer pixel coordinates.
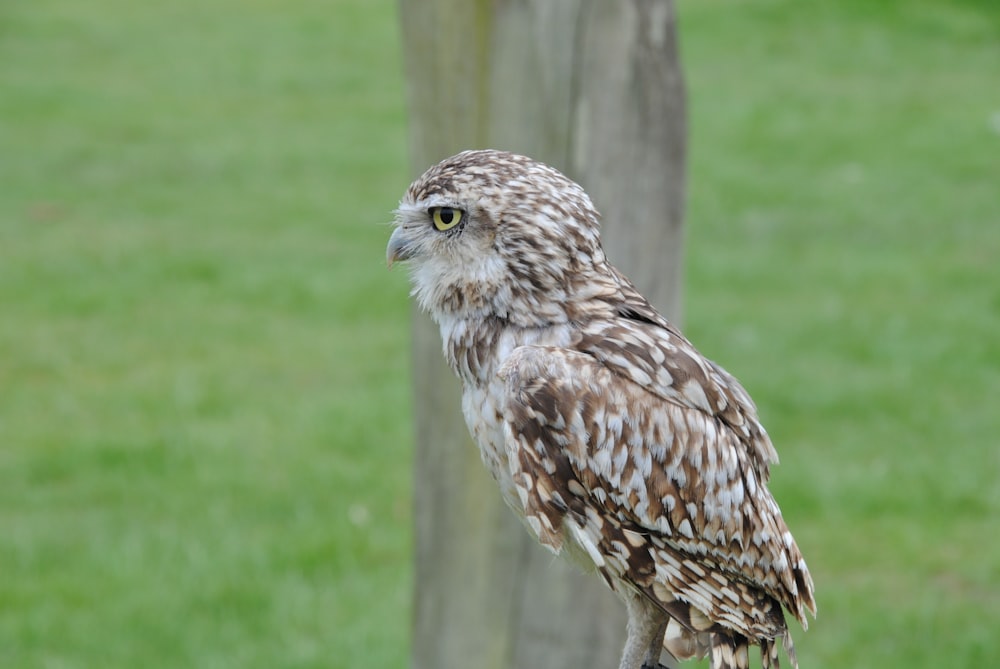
(490, 233)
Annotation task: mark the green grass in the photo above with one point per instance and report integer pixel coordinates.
(844, 261)
(204, 406)
(204, 377)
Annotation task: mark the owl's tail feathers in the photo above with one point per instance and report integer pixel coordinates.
(732, 651)
(690, 635)
(786, 640)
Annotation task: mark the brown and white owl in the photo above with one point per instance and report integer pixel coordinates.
(614, 439)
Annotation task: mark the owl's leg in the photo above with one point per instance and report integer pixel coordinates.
(646, 625)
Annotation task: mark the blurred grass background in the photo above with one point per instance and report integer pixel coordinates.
(204, 377)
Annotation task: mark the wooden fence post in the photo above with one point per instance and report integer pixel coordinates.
(593, 88)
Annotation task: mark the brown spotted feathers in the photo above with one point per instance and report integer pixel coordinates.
(614, 439)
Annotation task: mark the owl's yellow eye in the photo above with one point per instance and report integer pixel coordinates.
(446, 218)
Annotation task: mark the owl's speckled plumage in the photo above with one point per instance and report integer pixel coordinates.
(608, 433)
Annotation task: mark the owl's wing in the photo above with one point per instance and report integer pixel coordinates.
(657, 357)
(658, 491)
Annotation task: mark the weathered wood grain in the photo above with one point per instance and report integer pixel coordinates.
(594, 88)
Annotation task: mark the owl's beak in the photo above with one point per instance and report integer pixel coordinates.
(398, 249)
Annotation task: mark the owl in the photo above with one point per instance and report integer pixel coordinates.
(615, 441)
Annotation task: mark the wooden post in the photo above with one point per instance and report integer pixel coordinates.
(594, 89)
